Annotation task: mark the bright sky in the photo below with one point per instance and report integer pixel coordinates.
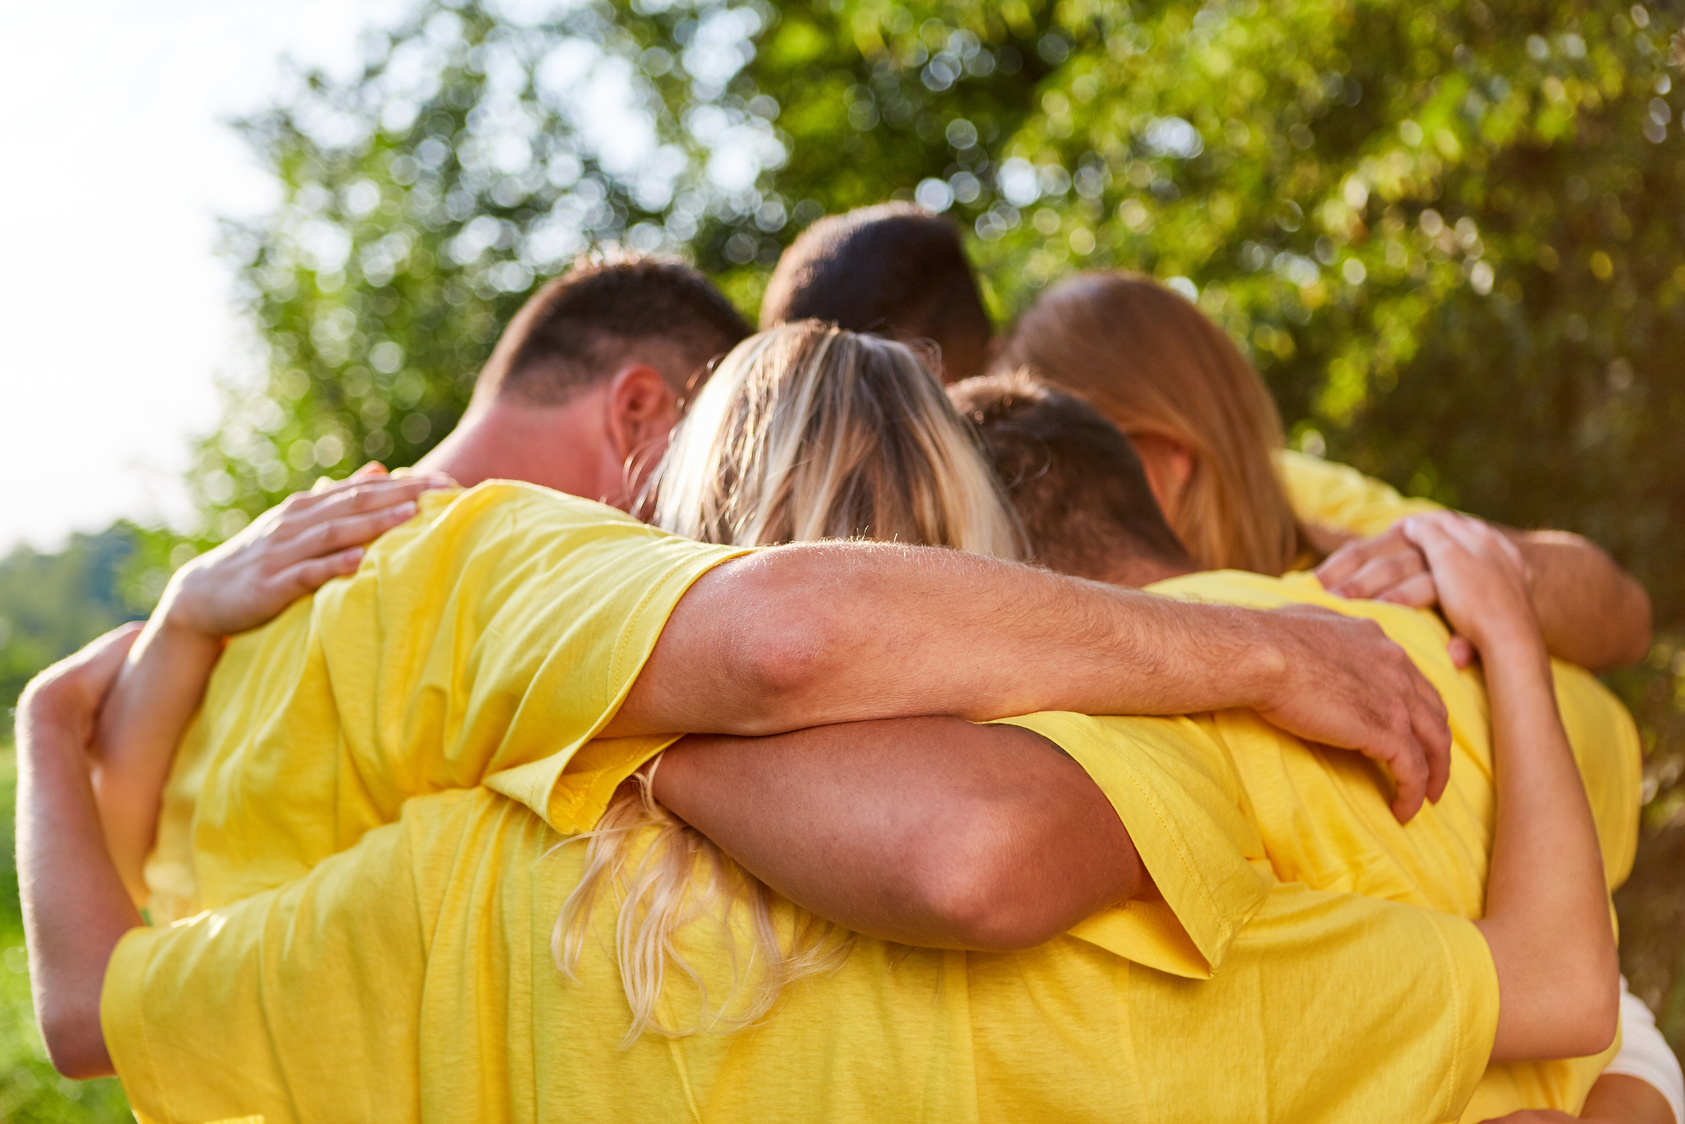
(115, 312)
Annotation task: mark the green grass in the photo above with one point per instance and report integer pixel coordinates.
(30, 1091)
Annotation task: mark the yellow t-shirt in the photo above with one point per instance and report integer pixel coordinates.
(487, 640)
(1342, 498)
(1324, 816)
(411, 977)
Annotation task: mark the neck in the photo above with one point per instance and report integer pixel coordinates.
(558, 447)
(1133, 573)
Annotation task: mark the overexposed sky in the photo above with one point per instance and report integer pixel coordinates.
(115, 312)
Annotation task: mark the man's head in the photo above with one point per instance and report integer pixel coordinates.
(606, 313)
(894, 269)
(591, 376)
(1074, 478)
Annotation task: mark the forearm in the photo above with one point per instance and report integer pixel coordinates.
(1590, 611)
(1547, 909)
(74, 905)
(931, 832)
(140, 724)
(825, 633)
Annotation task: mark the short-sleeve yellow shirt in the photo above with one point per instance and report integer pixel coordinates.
(487, 640)
(411, 978)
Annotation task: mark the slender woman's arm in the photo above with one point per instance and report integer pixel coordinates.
(286, 553)
(1547, 906)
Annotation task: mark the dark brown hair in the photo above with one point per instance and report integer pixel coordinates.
(1073, 477)
(896, 270)
(606, 311)
(1153, 363)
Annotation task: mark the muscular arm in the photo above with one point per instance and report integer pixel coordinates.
(928, 831)
(1591, 611)
(821, 633)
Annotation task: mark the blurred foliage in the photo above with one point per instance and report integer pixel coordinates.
(52, 604)
(1448, 234)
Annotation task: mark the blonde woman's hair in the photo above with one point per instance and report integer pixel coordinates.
(1150, 361)
(804, 432)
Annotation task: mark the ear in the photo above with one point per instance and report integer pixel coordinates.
(642, 411)
(1169, 464)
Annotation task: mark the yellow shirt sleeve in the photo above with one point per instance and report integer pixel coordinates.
(486, 641)
(1341, 498)
(1173, 790)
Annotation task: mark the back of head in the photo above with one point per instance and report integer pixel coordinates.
(894, 269)
(1078, 487)
(606, 312)
(1153, 364)
(808, 431)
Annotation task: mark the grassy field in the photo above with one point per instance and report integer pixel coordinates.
(30, 1092)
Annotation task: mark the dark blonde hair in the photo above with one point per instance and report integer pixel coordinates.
(1153, 364)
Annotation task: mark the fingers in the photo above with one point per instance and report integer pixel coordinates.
(1462, 653)
(1431, 726)
(1418, 592)
(1383, 573)
(346, 498)
(1349, 559)
(311, 574)
(352, 530)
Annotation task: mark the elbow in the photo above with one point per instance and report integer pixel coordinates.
(1592, 992)
(1599, 1005)
(983, 892)
(75, 1044)
(1640, 618)
(782, 650)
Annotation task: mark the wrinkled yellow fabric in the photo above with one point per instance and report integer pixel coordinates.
(411, 978)
(1341, 498)
(1324, 817)
(487, 640)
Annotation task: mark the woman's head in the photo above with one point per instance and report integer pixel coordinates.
(804, 432)
(807, 431)
(1201, 417)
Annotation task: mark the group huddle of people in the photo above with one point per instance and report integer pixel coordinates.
(868, 718)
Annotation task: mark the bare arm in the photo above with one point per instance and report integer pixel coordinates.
(1547, 907)
(1590, 611)
(928, 831)
(1614, 1099)
(821, 633)
(74, 905)
(288, 552)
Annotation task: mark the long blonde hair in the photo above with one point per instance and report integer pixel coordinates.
(1150, 361)
(804, 432)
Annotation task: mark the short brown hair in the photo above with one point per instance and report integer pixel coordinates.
(1154, 364)
(606, 310)
(894, 269)
(1074, 478)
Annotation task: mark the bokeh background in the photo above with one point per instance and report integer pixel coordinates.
(1452, 237)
